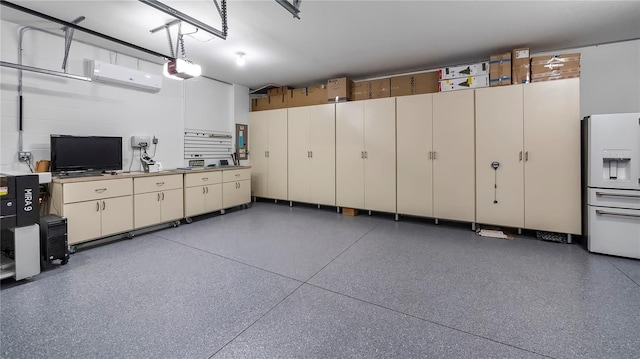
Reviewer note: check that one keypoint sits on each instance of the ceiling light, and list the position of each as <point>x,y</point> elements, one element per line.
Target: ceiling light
<point>179,69</point>
<point>240,58</point>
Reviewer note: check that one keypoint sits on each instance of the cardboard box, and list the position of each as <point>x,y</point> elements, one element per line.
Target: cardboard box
<point>317,94</point>
<point>360,91</point>
<point>454,72</point>
<point>556,67</point>
<point>338,90</point>
<point>380,88</point>
<point>520,68</point>
<point>426,82</point>
<point>269,103</point>
<point>282,90</point>
<point>349,211</point>
<point>464,83</point>
<point>500,70</point>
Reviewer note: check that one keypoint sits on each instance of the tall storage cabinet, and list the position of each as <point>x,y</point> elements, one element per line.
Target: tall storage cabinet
<point>268,151</point>
<point>552,156</point>
<point>365,154</point>
<point>533,132</point>
<point>312,154</point>
<point>499,138</point>
<point>414,121</point>
<point>454,155</point>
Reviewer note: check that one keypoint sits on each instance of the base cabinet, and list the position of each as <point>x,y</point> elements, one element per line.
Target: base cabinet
<point>157,199</point>
<point>236,187</point>
<point>94,209</point>
<point>202,193</point>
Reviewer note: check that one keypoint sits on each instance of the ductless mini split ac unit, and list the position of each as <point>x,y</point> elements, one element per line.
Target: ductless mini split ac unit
<point>123,76</point>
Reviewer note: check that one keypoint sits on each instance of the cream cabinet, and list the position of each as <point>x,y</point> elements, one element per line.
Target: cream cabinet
<point>202,192</point>
<point>533,132</point>
<point>236,187</point>
<point>311,154</point>
<point>268,153</point>
<point>365,154</point>
<point>157,199</point>
<point>414,122</point>
<point>500,143</point>
<point>94,209</point>
<point>454,155</point>
<point>552,156</point>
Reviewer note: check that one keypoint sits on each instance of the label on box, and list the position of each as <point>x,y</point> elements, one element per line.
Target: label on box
<point>522,54</point>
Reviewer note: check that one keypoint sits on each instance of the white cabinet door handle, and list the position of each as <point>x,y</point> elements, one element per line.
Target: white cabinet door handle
<point>203,191</point>
<point>605,213</point>
<point>520,155</point>
<point>100,190</point>
<point>205,178</point>
<point>526,156</point>
<point>97,206</point>
<point>103,205</point>
<point>605,194</point>
<point>158,196</point>
<point>159,183</point>
<point>163,196</point>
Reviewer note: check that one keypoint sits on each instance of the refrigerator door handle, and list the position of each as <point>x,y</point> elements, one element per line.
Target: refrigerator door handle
<point>605,213</point>
<point>605,194</point>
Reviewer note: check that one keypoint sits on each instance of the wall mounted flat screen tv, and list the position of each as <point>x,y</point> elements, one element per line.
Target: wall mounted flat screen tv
<point>85,153</point>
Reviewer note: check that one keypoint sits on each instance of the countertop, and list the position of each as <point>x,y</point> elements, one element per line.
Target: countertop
<point>118,175</point>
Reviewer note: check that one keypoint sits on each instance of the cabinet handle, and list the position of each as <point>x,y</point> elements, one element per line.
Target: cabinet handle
<point>430,156</point>
<point>311,154</point>
<point>520,155</point>
<point>237,175</point>
<point>158,196</point>
<point>100,190</point>
<point>206,188</point>
<point>366,154</point>
<point>205,178</point>
<point>526,156</point>
<point>160,183</point>
<point>103,205</point>
<point>97,206</point>
<point>604,194</point>
<point>361,154</point>
<point>203,192</point>
<point>163,196</point>
<point>239,185</point>
<point>435,155</point>
<point>605,213</point>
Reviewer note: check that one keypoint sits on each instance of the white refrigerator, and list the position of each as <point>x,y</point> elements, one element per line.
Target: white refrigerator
<point>612,171</point>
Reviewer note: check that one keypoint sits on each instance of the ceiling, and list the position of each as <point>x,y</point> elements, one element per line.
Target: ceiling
<point>359,39</point>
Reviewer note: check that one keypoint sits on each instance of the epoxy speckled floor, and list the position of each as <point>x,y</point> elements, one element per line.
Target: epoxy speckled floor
<point>279,282</point>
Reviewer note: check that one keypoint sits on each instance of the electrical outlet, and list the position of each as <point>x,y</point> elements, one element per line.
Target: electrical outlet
<point>24,156</point>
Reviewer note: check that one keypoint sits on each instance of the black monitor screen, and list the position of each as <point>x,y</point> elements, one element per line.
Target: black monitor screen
<point>85,153</point>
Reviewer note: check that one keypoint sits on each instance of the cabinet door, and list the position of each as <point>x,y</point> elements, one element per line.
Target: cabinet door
<point>194,201</point>
<point>552,149</point>
<point>117,215</point>
<point>499,127</point>
<point>236,193</point>
<point>322,127</point>
<point>414,119</point>
<point>213,197</point>
<point>380,154</point>
<point>349,154</point>
<point>277,159</point>
<point>171,204</point>
<point>83,221</point>
<point>258,152</point>
<point>299,154</point>
<point>454,150</point>
<point>146,209</point>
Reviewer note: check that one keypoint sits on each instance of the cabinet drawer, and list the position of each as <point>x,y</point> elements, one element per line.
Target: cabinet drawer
<point>619,198</point>
<point>156,183</point>
<point>91,190</point>
<point>201,179</point>
<point>236,175</point>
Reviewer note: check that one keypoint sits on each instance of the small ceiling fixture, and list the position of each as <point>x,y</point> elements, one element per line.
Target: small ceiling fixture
<point>240,58</point>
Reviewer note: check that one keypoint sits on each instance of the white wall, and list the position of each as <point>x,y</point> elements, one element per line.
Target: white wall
<point>609,77</point>
<point>55,105</point>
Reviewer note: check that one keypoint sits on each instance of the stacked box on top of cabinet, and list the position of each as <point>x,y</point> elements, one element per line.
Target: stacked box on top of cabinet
<point>520,66</point>
<point>555,67</point>
<point>500,70</point>
<point>464,77</point>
